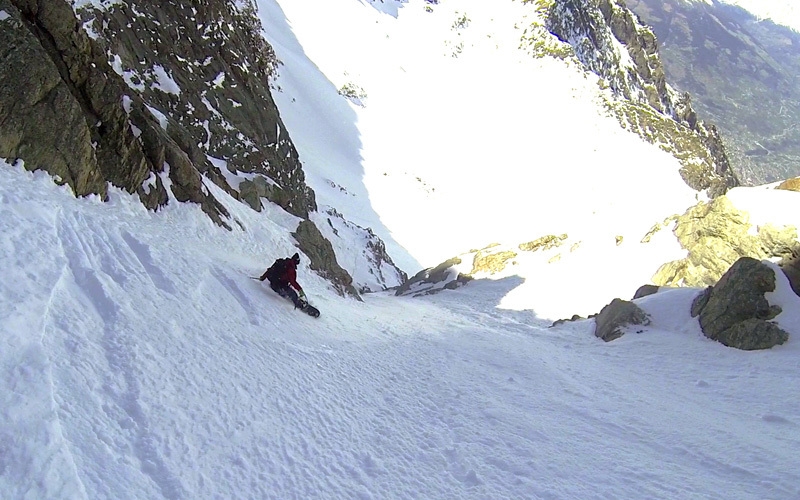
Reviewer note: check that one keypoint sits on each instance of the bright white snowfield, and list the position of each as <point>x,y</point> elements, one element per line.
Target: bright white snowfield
<point>138,360</point>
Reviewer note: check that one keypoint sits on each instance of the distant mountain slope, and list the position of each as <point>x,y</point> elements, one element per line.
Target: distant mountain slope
<point>607,38</point>
<point>744,74</point>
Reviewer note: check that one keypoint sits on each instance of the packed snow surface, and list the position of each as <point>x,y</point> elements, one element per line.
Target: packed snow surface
<point>139,360</point>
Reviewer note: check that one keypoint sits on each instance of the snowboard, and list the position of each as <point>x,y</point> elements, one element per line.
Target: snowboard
<point>308,308</point>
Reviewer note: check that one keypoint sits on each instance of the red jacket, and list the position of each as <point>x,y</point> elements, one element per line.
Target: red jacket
<point>289,275</point>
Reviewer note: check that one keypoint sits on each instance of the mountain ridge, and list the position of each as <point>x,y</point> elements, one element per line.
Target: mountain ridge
<point>742,73</point>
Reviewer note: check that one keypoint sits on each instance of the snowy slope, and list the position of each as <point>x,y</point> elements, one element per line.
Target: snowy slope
<point>138,360</point>
<point>463,139</point>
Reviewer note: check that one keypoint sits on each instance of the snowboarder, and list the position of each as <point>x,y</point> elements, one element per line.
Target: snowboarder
<point>282,276</point>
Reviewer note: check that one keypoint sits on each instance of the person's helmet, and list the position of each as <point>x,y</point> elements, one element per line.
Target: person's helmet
<point>296,258</point>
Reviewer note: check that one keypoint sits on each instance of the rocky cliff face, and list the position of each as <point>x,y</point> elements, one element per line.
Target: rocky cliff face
<point>206,66</point>
<point>743,74</point>
<point>715,236</point>
<point>157,98</point>
<point>609,41</point>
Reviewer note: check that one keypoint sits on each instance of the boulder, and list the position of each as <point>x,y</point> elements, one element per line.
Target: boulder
<point>791,268</point>
<point>610,322</point>
<point>753,334</point>
<point>716,235</point>
<point>645,290</point>
<point>790,184</point>
<point>736,312</point>
<point>491,262</point>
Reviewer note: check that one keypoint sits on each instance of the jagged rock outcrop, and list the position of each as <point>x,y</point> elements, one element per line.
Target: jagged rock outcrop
<point>112,137</point>
<point>736,312</point>
<point>160,99</point>
<point>31,101</point>
<point>432,280</point>
<point>547,242</point>
<point>644,291</point>
<point>610,323</point>
<point>575,317</point>
<point>790,184</point>
<point>716,235</point>
<point>206,67</point>
<point>137,92</point>
<point>491,261</point>
<point>372,267</point>
<point>608,40</point>
<point>323,258</point>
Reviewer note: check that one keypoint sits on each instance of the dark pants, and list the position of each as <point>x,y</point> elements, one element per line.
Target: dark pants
<point>286,291</point>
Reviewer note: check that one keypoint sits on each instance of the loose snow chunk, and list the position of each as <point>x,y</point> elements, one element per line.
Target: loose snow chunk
<point>126,104</point>
<point>162,118</point>
<point>102,5</point>
<point>164,81</point>
<point>218,162</point>
<point>116,65</point>
<point>128,77</point>
<point>90,32</point>
<point>784,297</point>
<point>4,15</point>
<point>149,183</point>
<point>218,81</point>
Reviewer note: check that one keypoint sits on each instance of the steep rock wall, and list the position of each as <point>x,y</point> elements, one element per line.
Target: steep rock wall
<point>607,38</point>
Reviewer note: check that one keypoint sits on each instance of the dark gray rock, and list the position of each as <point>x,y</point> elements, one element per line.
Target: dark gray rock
<point>753,334</point>
<point>735,311</point>
<point>644,291</point>
<point>791,268</point>
<point>610,322</point>
<point>42,122</point>
<point>575,317</point>
<point>216,55</point>
<point>323,258</point>
<point>435,279</point>
<point>700,301</point>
